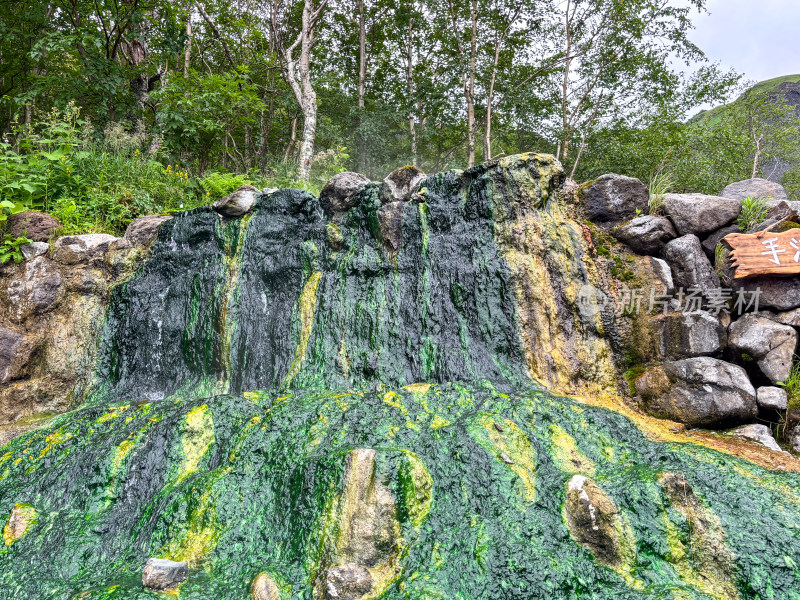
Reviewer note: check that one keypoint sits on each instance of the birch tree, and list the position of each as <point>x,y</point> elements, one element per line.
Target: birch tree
<point>298,75</point>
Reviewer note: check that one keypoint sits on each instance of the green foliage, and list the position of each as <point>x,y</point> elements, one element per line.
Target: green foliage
<point>792,386</point>
<point>721,259</point>
<point>218,185</point>
<point>10,248</point>
<point>754,211</point>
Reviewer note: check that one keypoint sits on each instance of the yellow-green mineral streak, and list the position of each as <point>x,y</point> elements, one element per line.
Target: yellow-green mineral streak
<point>307,306</point>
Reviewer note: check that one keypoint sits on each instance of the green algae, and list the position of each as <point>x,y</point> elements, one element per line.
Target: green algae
<point>256,499</point>
<point>422,356</point>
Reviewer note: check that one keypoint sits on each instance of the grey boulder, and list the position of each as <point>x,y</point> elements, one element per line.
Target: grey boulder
<point>613,199</point>
<point>238,203</point>
<point>789,317</point>
<point>162,574</point>
<point>74,249</point>
<point>34,249</point>
<point>690,266</point>
<point>772,398</point>
<point>700,214</point>
<point>142,231</point>
<point>401,184</point>
<point>663,273</point>
<point>710,243</point>
<point>701,392</point>
<point>770,344</point>
<point>646,235</point>
<point>757,433</point>
<point>779,293</point>
<point>683,335</point>
<point>794,439</point>
<point>15,353</point>
<point>762,189</point>
<point>340,193</point>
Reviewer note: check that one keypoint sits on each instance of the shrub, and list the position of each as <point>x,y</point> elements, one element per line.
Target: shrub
<point>754,211</point>
<point>219,185</point>
<point>10,249</point>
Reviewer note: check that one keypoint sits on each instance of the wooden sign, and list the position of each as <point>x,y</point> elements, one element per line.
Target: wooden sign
<point>765,253</point>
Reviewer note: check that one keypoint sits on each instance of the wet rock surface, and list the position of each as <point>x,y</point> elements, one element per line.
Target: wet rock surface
<point>614,199</point>
<point>340,193</point>
<point>690,266</point>
<point>161,574</point>
<point>703,392</point>
<point>699,214</point>
<point>264,588</point>
<point>770,344</point>
<point>594,521</point>
<point>237,203</point>
<point>348,582</point>
<point>646,235</point>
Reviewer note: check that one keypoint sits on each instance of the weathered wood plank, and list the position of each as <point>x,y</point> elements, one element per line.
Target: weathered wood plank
<point>764,253</point>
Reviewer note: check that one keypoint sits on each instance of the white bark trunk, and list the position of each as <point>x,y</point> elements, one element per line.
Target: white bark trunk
<point>298,74</point>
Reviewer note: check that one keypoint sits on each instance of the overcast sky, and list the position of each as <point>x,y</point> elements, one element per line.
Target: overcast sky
<point>757,38</point>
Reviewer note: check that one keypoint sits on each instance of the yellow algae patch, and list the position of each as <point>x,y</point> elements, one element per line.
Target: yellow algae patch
<point>23,517</point>
<point>418,388</point>
<point>308,306</point>
<point>123,450</point>
<point>512,447</point>
<point>567,456</point>
<point>198,435</point>
<point>200,538</point>
<point>5,457</point>
<point>53,440</point>
<point>663,430</point>
<point>253,395</point>
<point>395,400</point>
<point>438,422</point>
<point>113,413</point>
<point>417,485</point>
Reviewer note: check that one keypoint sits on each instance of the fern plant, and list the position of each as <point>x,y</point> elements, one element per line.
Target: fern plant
<point>754,211</point>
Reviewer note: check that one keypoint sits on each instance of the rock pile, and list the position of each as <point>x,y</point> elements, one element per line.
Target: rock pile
<point>722,358</point>
<point>52,307</point>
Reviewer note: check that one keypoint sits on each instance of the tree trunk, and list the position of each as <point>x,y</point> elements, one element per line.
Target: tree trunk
<point>470,88</point>
<point>290,145</point>
<point>487,141</point>
<point>362,85</point>
<point>412,120</point>
<point>188,55</point>
<point>298,74</point>
<point>563,149</point>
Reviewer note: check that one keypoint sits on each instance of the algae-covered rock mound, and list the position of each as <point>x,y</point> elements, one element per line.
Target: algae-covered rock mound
<point>426,492</point>
<point>352,405</point>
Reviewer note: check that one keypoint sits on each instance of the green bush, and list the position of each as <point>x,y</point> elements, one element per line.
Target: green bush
<point>10,248</point>
<point>754,211</point>
<point>219,185</point>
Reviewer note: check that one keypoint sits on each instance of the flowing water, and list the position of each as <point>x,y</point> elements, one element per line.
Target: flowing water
<point>245,360</point>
